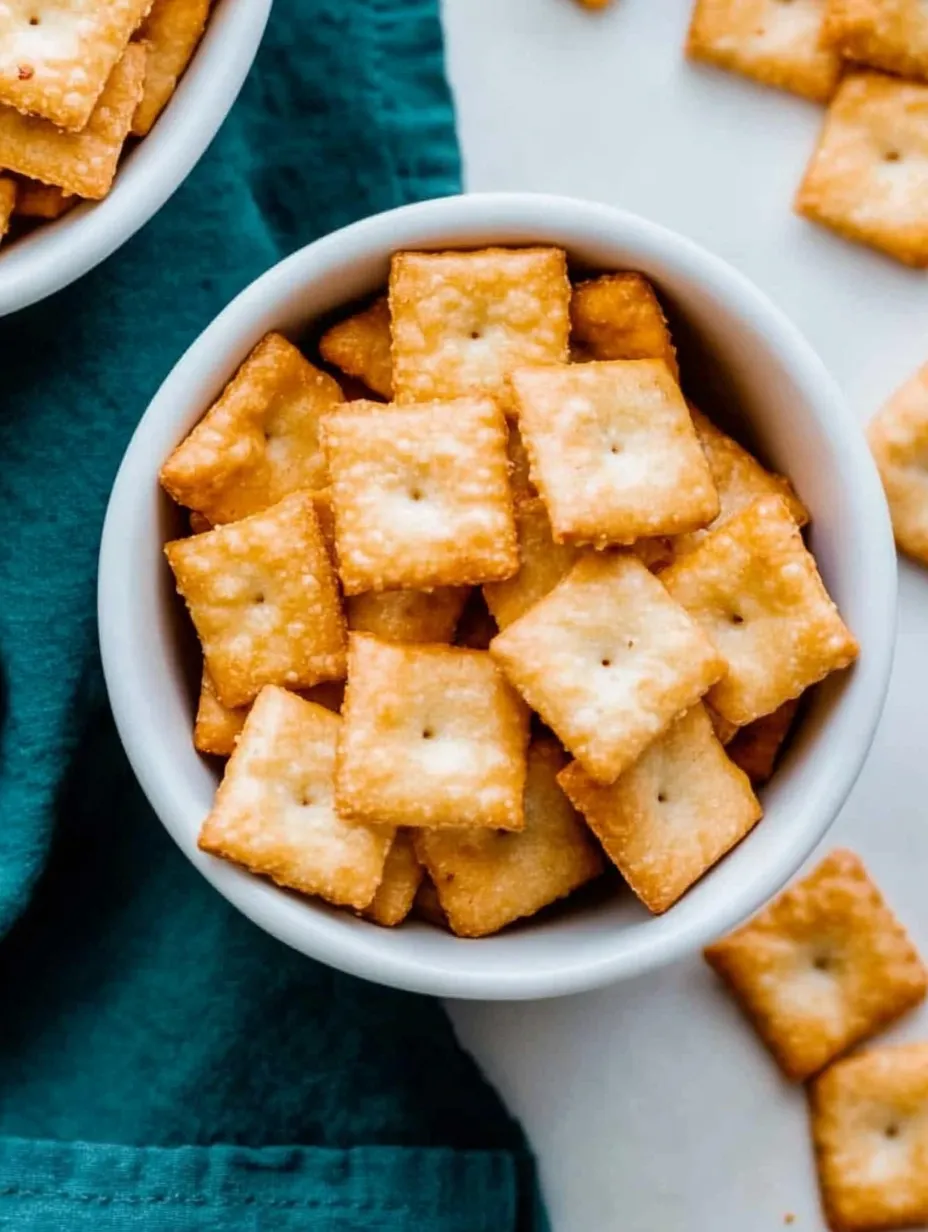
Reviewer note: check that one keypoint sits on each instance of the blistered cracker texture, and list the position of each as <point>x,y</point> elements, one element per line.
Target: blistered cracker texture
<point>462,321</point>
<point>259,441</point>
<point>898,437</point>
<point>35,200</point>
<point>519,478</point>
<point>870,1129</point>
<point>171,31</point>
<point>739,479</point>
<point>779,44</point>
<point>822,968</point>
<point>8,190</point>
<point>274,810</point>
<point>263,597</point>
<point>217,727</point>
<point>421,495</point>
<point>360,346</point>
<point>542,564</point>
<point>487,879</point>
<point>402,876</point>
<point>476,628</point>
<point>608,660</point>
<point>755,590</point>
<point>868,178</point>
<point>887,34</point>
<point>432,736</point>
<point>755,748</point>
<point>83,163</point>
<point>613,451</point>
<point>408,615</point>
<point>618,316</point>
<point>427,906</point>
<point>56,56</point>
<point>671,815</point>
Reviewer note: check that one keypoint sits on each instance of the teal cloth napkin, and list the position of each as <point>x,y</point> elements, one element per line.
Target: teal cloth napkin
<point>163,1063</point>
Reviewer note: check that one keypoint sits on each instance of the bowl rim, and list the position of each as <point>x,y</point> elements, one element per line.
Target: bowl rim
<point>61,251</point>
<point>874,554</point>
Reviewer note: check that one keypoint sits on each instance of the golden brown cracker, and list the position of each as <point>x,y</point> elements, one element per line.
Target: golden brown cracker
<point>756,747</point>
<point>898,437</point>
<point>402,876</point>
<point>360,346</point>
<point>542,564</point>
<point>407,615</point>
<point>35,200</point>
<point>618,316</point>
<point>217,727</point>
<point>8,191</point>
<point>171,31</point>
<point>886,34</point>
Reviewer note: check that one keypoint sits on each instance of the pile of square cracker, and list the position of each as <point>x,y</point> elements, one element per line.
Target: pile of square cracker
<point>76,80</point>
<point>867,59</point>
<point>485,545</point>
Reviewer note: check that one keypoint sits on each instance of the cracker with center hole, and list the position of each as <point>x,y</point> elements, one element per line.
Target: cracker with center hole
<point>421,495</point>
<point>822,968</point>
<point>402,876</point>
<point>259,441</point>
<point>671,815</point>
<point>8,191</point>
<point>898,437</point>
<point>476,628</point>
<point>462,321</point>
<point>755,748</point>
<point>869,1118</point>
<point>56,56</point>
<point>407,615</point>
<point>274,810</point>
<point>778,44</point>
<point>83,163</point>
<point>217,727</point>
<point>739,479</point>
<point>432,736</point>
<point>35,200</point>
<point>868,178</point>
<point>263,597</point>
<point>171,31</point>
<point>542,564</point>
<point>613,451</point>
<point>487,879</point>
<point>886,34</point>
<point>360,346</point>
<point>754,588</point>
<point>618,316</point>
<point>608,660</point>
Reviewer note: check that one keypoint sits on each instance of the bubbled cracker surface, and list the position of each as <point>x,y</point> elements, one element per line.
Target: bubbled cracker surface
<point>171,31</point>
<point>56,55</point>
<point>755,590</point>
<point>618,316</point>
<point>898,437</point>
<point>613,451</point>
<point>421,495</point>
<point>671,815</point>
<point>259,441</point>
<point>432,736</point>
<point>608,660</point>
<point>886,34</point>
<point>487,879</point>
<point>274,811</point>
<point>408,615</point>
<point>361,347</point>
<point>84,162</point>
<point>402,876</point>
<point>262,596</point>
<point>462,321</point>
<point>822,968</point>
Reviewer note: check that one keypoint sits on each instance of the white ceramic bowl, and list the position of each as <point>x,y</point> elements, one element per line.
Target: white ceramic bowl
<point>748,355</point>
<point>56,253</point>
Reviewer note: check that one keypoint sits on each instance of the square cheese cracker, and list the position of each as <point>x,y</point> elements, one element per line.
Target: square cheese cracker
<point>56,55</point>
<point>421,494</point>
<point>171,32</point>
<point>263,597</point>
<point>361,347</point>
<point>486,879</point>
<point>868,178</point>
<point>822,968</point>
<point>887,34</point>
<point>462,321</point>
<point>608,660</point>
<point>259,441</point>
<point>777,42</point>
<point>671,815</point>
<point>35,200</point>
<point>432,736</point>
<point>898,437</point>
<point>542,564</point>
<point>84,162</point>
<point>754,588</point>
<point>870,1128</point>
<point>408,615</point>
<point>274,810</point>
<point>402,876</point>
<point>618,316</point>
<point>613,451</point>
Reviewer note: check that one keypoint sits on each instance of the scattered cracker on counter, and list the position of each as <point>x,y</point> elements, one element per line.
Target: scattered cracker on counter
<point>898,437</point>
<point>885,34</point>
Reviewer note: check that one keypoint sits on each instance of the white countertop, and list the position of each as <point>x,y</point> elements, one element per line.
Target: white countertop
<point>651,1106</point>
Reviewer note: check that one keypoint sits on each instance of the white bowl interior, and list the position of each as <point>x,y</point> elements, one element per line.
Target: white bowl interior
<point>752,368</point>
<point>55,253</point>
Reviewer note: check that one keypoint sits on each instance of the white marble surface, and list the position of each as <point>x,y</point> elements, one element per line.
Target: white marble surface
<point>650,1106</point>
